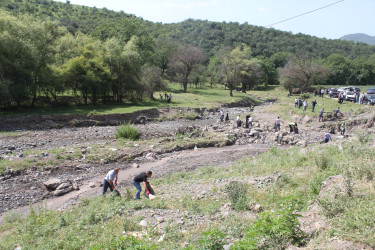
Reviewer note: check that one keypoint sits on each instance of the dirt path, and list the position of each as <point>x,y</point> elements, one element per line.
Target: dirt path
<point>188,160</point>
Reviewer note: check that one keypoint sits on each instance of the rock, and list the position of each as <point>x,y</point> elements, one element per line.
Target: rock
<point>103,161</point>
<point>75,186</point>
<point>52,184</point>
<point>62,191</point>
<point>20,155</point>
<point>302,143</point>
<point>135,165</point>
<point>92,185</point>
<point>255,207</point>
<point>332,186</point>
<point>143,223</point>
<point>181,222</point>
<point>64,186</point>
<point>11,148</point>
<point>84,151</point>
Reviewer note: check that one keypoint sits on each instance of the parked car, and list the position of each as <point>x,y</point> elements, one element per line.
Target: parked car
<point>371,91</point>
<point>349,96</point>
<point>369,100</point>
<point>334,92</point>
<point>356,89</point>
<point>341,89</point>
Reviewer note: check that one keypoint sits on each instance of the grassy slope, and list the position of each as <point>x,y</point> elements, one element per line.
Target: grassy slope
<point>195,98</point>
<point>99,223</point>
<point>285,105</point>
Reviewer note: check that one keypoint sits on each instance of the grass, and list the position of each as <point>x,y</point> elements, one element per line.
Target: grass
<point>285,105</point>
<point>99,222</point>
<point>194,98</point>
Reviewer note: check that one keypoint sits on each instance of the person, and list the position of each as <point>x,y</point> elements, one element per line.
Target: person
<point>238,121</point>
<point>342,128</point>
<point>313,105</point>
<point>300,101</point>
<point>322,92</point>
<point>161,98</point>
<point>222,115</point>
<point>292,127</point>
<point>277,124</point>
<point>296,102</point>
<point>227,117</point>
<point>169,98</point>
<point>321,115</point>
<point>315,92</point>
<point>142,177</point>
<point>327,137</point>
<point>247,121</point>
<point>304,105</point>
<point>110,180</point>
<point>362,98</point>
<point>335,113</point>
<point>251,121</point>
<point>165,95</point>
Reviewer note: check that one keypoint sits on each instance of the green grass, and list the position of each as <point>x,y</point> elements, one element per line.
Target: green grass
<point>195,98</point>
<point>284,106</point>
<point>99,222</point>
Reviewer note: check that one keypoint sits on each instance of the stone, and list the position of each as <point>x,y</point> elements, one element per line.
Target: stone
<point>64,186</point>
<point>11,148</point>
<point>302,143</point>
<point>75,186</point>
<point>52,184</point>
<point>92,185</point>
<point>255,207</point>
<point>143,223</point>
<point>135,165</point>
<point>61,192</point>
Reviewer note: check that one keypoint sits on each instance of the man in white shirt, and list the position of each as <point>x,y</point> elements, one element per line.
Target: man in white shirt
<point>110,180</point>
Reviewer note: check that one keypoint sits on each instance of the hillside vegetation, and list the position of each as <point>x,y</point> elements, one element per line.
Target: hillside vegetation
<point>56,54</point>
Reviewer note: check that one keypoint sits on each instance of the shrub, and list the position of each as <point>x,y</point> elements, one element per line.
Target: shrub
<point>273,230</point>
<point>237,193</point>
<point>127,131</point>
<point>305,96</point>
<point>213,239</point>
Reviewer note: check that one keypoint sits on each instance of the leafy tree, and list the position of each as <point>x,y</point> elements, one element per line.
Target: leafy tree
<point>340,69</point>
<point>184,60</point>
<point>151,80</point>
<point>237,66</point>
<point>302,73</point>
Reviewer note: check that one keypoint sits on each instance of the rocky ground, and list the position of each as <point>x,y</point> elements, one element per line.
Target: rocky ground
<point>19,188</point>
<point>63,167</point>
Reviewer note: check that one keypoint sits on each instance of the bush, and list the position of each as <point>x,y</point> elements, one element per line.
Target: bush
<point>127,131</point>
<point>237,194</point>
<point>305,96</point>
<point>213,239</point>
<point>273,230</point>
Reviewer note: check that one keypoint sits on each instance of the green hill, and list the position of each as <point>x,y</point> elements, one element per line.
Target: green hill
<point>103,23</point>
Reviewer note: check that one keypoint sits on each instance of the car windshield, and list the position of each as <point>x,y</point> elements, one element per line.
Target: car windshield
<point>371,97</point>
<point>349,93</point>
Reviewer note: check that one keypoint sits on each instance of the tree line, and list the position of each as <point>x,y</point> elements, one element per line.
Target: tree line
<point>123,60</point>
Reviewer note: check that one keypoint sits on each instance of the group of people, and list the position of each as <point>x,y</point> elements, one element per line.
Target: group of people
<point>167,97</point>
<point>110,181</point>
<point>299,102</point>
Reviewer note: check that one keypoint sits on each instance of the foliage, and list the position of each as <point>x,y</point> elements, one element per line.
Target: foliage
<point>212,239</point>
<point>127,131</point>
<point>237,194</point>
<point>276,229</point>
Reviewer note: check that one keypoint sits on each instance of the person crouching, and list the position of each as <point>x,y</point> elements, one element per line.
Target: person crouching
<point>142,177</point>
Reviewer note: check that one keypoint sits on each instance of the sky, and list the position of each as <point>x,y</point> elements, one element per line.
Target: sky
<point>343,18</point>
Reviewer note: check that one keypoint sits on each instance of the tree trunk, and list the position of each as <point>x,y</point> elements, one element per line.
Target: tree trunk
<point>230,90</point>
<point>185,84</point>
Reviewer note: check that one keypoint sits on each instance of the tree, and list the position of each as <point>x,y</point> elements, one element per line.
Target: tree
<point>339,67</point>
<point>184,60</point>
<point>236,66</point>
<point>302,73</point>
<point>151,80</point>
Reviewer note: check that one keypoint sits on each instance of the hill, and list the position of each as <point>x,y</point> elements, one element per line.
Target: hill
<point>103,23</point>
<point>359,38</point>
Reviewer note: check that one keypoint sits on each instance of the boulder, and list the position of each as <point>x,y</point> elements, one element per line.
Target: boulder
<point>302,143</point>
<point>64,186</point>
<point>135,165</point>
<point>52,184</point>
<point>62,191</point>
<point>255,207</point>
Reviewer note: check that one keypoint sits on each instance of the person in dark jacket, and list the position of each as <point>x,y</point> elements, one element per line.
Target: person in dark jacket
<point>142,177</point>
